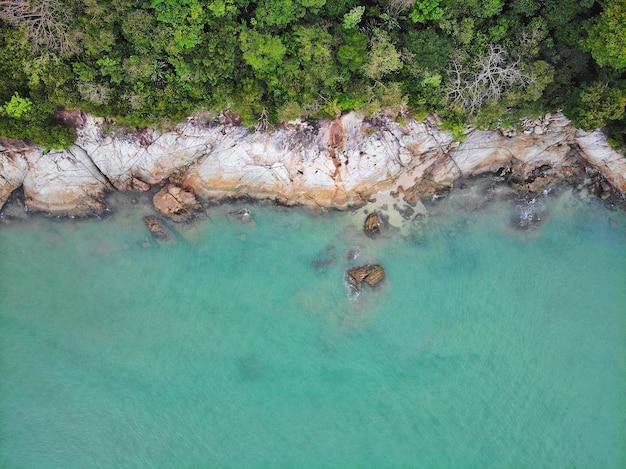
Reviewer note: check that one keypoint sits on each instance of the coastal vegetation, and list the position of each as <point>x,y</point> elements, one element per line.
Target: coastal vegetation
<point>485,63</point>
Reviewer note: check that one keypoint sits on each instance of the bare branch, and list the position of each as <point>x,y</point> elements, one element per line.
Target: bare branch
<point>262,121</point>
<point>489,77</point>
<point>45,23</point>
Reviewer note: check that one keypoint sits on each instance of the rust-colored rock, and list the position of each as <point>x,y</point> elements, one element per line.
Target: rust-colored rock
<point>137,184</point>
<point>374,225</point>
<point>176,203</point>
<point>371,274</point>
<point>374,275</point>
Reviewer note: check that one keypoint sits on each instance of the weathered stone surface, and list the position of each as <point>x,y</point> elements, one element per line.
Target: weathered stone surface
<point>176,203</point>
<point>374,225</point>
<point>337,168</point>
<point>340,163</point>
<point>147,155</point>
<point>14,165</point>
<point>598,153</point>
<point>137,184</point>
<point>65,182</point>
<point>158,229</point>
<point>371,274</point>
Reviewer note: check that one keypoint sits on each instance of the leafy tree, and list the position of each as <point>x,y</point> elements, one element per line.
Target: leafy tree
<point>383,57</point>
<point>263,52</point>
<point>597,104</point>
<point>353,17</point>
<point>281,13</point>
<point>289,111</point>
<point>607,36</point>
<point>352,54</point>
<point>426,10</point>
<point>431,50</point>
<point>150,62</point>
<point>17,106</point>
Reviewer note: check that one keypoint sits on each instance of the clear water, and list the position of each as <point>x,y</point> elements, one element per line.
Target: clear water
<point>484,346</point>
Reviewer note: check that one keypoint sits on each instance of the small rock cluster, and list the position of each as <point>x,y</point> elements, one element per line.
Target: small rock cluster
<point>371,274</point>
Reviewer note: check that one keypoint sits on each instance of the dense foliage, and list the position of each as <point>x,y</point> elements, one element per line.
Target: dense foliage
<point>149,62</point>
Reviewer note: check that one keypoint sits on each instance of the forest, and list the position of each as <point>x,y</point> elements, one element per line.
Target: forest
<point>151,63</point>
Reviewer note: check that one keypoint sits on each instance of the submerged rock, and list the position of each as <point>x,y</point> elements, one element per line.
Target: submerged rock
<point>325,259</point>
<point>371,274</point>
<point>243,215</point>
<point>353,253</point>
<point>158,229</point>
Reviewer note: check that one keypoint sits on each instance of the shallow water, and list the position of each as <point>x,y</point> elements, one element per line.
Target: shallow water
<point>241,346</point>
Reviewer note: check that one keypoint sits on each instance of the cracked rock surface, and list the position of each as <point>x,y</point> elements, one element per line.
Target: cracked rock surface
<point>336,163</point>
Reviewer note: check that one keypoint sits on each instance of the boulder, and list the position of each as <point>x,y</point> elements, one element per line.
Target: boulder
<point>176,203</point>
<point>374,225</point>
<point>371,274</point>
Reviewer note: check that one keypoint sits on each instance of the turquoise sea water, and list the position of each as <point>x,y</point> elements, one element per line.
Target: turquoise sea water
<point>484,346</point>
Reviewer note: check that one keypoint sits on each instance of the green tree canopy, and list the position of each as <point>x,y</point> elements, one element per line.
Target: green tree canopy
<point>607,36</point>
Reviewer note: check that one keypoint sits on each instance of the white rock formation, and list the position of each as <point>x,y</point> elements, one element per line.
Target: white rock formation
<point>65,182</point>
<point>341,163</point>
<point>599,154</point>
<point>14,165</point>
<point>148,156</point>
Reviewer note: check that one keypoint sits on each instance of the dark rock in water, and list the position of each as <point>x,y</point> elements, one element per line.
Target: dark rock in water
<point>406,212</point>
<point>326,259</point>
<point>242,215</point>
<point>371,274</point>
<point>374,225</point>
<point>159,231</point>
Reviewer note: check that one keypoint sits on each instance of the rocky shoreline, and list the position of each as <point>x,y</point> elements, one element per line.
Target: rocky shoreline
<point>342,163</point>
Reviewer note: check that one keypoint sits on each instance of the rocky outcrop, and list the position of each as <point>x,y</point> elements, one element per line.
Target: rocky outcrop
<point>371,274</point>
<point>146,156</point>
<point>65,182</point>
<point>14,166</point>
<point>596,152</point>
<point>176,203</point>
<point>374,225</point>
<point>339,163</point>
